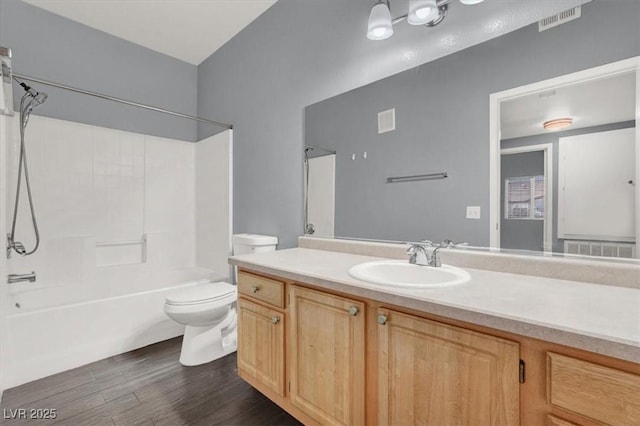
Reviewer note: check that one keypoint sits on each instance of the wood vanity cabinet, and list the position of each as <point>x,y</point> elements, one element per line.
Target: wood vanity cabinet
<point>261,345</point>
<point>261,332</point>
<point>431,373</point>
<point>327,351</point>
<point>330,359</point>
<point>602,394</point>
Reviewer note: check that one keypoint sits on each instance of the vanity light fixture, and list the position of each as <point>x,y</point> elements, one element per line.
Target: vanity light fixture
<point>421,12</point>
<point>380,26</point>
<point>558,123</point>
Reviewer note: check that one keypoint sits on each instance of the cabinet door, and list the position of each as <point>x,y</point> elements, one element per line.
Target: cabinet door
<point>435,374</point>
<point>327,351</point>
<point>261,345</point>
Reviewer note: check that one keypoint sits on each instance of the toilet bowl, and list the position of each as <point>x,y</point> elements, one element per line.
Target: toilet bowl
<point>206,311</point>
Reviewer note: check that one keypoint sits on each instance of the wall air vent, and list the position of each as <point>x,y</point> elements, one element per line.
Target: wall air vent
<point>600,248</point>
<point>387,121</point>
<point>559,19</point>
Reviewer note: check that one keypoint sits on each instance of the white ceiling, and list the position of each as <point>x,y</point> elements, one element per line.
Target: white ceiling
<point>190,30</point>
<point>603,101</point>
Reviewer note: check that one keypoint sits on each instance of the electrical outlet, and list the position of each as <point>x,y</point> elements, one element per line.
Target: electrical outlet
<point>473,212</point>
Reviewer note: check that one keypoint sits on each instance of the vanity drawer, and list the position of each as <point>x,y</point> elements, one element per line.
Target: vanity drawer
<point>261,288</point>
<point>601,393</point>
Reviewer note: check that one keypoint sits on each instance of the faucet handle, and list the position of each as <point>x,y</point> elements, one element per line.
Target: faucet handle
<point>19,248</point>
<point>427,243</point>
<point>452,244</point>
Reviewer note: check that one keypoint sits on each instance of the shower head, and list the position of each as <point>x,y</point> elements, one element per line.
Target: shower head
<point>36,98</point>
<point>39,98</point>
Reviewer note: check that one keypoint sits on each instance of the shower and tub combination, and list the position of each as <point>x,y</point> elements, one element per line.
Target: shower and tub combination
<point>112,222</point>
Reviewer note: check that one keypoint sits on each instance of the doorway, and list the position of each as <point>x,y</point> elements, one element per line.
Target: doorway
<point>526,198</point>
<point>598,101</point>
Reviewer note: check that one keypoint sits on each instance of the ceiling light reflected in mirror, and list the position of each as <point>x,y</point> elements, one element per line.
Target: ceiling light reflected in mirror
<point>558,124</point>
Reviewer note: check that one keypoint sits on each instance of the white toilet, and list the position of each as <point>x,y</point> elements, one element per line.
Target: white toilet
<point>205,309</point>
<point>209,319</point>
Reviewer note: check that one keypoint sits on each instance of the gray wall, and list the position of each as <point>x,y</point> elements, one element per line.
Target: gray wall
<point>264,77</point>
<point>553,138</point>
<point>53,48</point>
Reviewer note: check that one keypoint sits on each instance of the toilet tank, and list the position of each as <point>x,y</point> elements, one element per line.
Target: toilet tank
<point>253,243</point>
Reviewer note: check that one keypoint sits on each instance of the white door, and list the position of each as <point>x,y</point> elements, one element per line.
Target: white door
<point>597,186</point>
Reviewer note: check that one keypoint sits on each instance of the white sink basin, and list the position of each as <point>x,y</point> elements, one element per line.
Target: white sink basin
<point>400,273</point>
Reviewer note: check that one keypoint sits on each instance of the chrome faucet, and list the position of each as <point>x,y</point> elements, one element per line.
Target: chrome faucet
<point>434,260</point>
<point>17,278</point>
<point>418,254</point>
<point>14,245</point>
<point>427,253</point>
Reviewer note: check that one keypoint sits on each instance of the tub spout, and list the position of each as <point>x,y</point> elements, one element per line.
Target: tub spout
<point>17,278</point>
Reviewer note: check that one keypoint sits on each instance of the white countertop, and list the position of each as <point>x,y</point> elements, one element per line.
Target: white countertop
<point>598,318</point>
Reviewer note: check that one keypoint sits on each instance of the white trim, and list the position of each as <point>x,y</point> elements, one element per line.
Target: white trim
<point>495,99</point>
<point>230,231</point>
<point>547,149</point>
<point>4,136</point>
<point>637,252</point>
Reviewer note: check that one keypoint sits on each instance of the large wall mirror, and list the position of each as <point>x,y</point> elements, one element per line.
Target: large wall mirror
<point>526,142</point>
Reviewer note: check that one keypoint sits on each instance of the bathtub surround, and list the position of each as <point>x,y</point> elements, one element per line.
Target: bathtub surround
<point>95,188</point>
<point>214,201</point>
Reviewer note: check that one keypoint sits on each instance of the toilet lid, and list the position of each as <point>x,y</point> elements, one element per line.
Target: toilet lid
<point>201,293</point>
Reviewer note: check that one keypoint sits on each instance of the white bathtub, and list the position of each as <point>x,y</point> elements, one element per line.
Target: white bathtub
<point>46,341</point>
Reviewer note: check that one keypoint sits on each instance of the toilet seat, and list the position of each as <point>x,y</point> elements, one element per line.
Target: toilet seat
<point>201,293</point>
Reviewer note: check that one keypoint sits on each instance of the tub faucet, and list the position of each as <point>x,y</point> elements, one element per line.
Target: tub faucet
<point>17,278</point>
<point>14,245</point>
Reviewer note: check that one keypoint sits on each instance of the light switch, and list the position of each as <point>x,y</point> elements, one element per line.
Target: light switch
<point>473,212</point>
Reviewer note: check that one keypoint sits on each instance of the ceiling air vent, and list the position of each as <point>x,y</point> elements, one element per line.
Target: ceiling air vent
<point>387,121</point>
<point>559,19</point>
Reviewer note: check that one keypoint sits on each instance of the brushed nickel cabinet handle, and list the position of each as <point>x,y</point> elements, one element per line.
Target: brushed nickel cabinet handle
<point>353,310</point>
<point>275,320</point>
<point>255,289</point>
<point>382,319</point>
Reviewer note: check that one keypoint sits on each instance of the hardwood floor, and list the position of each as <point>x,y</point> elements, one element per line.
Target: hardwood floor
<point>145,387</point>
